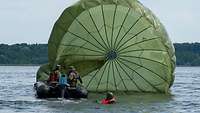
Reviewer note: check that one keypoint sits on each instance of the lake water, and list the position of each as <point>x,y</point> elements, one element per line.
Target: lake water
<point>17,96</point>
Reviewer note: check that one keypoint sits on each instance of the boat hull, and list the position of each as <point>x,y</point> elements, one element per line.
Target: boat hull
<point>45,91</point>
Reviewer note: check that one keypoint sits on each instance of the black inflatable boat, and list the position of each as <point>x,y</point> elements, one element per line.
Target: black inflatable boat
<point>45,91</point>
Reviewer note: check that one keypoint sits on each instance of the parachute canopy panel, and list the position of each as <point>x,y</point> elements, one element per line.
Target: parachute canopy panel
<point>118,45</point>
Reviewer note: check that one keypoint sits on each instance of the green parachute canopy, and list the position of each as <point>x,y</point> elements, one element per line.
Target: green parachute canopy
<point>116,45</point>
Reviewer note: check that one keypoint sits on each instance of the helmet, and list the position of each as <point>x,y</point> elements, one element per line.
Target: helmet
<point>109,95</point>
<point>57,67</point>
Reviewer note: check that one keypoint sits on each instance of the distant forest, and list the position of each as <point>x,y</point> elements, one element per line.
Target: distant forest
<point>188,54</point>
<point>23,54</point>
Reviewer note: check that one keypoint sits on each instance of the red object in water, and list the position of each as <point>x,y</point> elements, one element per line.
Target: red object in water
<point>107,101</point>
<point>104,101</point>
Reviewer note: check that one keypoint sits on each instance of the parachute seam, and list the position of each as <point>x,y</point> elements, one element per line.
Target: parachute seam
<point>92,78</point>
<point>79,55</point>
<point>145,59</point>
<point>88,31</point>
<point>120,76</point>
<point>114,77</point>
<point>105,25</point>
<point>138,43</point>
<point>135,35</point>
<point>85,40</point>
<point>130,77</point>
<point>145,68</point>
<point>113,26</point>
<point>141,77</point>
<point>101,76</point>
<point>121,26</point>
<point>78,49</point>
<point>84,48</point>
<point>108,77</point>
<point>142,50</point>
<point>106,48</point>
<point>128,31</point>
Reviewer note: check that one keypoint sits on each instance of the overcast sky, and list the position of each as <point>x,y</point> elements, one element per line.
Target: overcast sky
<point>31,21</point>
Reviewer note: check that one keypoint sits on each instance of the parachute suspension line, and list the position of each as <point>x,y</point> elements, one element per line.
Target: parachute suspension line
<point>69,49</point>
<point>135,36</point>
<point>141,76</point>
<point>129,76</point>
<point>85,48</point>
<point>121,27</point>
<point>138,43</point>
<point>104,21</point>
<point>113,71</point>
<point>107,82</point>
<point>127,32</point>
<point>143,59</point>
<point>155,50</point>
<point>105,46</point>
<point>102,75</point>
<point>78,48</point>
<point>87,31</point>
<point>92,78</point>
<point>115,63</point>
<point>80,55</point>
<point>146,69</point>
<point>86,41</point>
<point>113,25</point>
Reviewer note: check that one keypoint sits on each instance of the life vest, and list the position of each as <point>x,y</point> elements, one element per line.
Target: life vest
<point>62,80</point>
<point>105,101</point>
<point>72,77</point>
<point>53,77</point>
<point>108,101</point>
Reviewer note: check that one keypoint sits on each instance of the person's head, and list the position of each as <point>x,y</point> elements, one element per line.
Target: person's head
<point>109,95</point>
<point>57,67</point>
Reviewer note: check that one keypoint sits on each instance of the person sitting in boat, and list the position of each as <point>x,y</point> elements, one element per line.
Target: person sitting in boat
<point>63,85</point>
<point>73,77</point>
<point>110,99</point>
<point>54,76</point>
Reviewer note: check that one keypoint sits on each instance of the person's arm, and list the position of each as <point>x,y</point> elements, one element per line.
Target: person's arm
<point>113,100</point>
<point>79,78</point>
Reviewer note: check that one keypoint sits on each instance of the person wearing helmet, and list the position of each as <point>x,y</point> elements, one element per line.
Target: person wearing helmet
<point>110,99</point>
<point>73,77</point>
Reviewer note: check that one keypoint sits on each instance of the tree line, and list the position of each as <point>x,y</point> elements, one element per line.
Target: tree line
<point>23,54</point>
<point>187,54</point>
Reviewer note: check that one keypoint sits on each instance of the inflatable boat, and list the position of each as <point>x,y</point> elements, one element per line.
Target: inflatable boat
<point>54,91</point>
